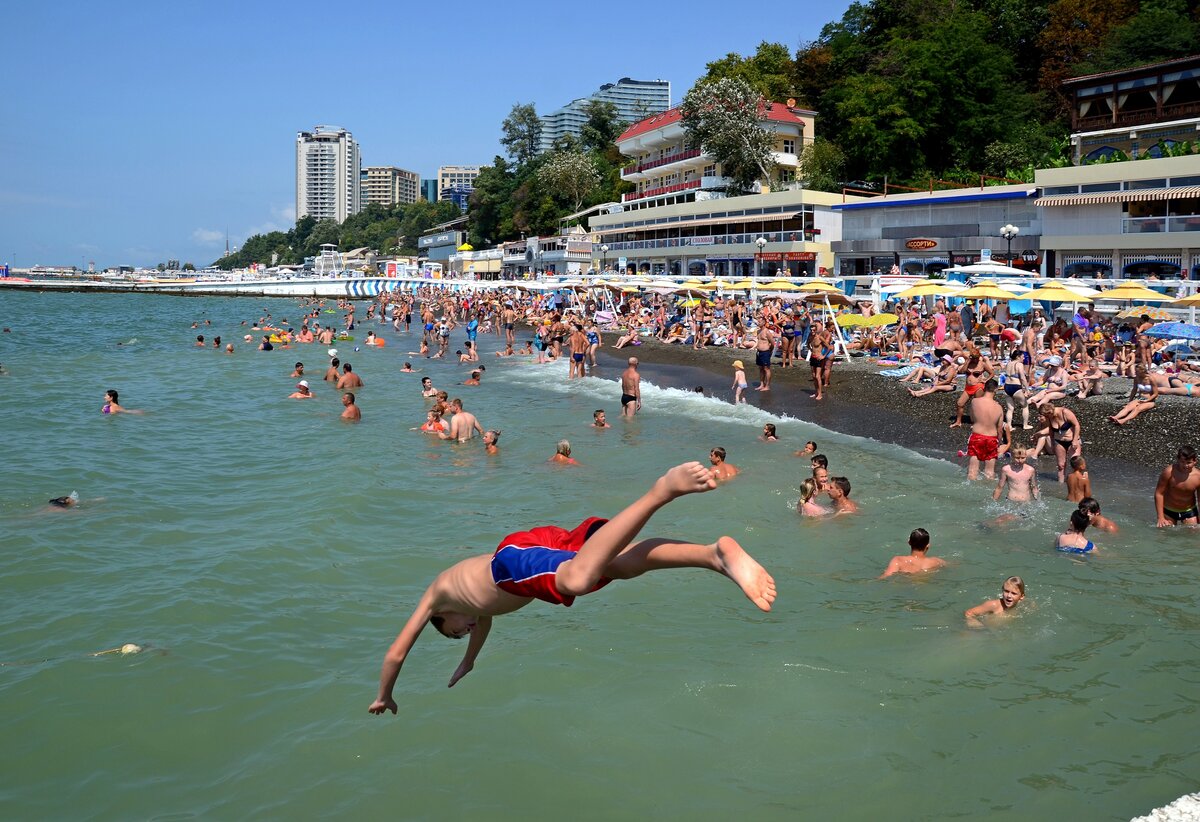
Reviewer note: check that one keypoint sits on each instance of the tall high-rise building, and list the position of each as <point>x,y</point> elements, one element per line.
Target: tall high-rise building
<point>459,177</point>
<point>429,191</point>
<point>328,172</point>
<point>388,185</point>
<point>634,100</point>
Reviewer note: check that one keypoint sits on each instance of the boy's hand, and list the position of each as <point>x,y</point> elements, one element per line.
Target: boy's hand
<point>381,705</point>
<point>459,672</point>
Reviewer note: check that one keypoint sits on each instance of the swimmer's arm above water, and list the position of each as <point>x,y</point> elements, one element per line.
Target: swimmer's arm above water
<point>992,606</point>
<point>478,636</point>
<point>394,659</point>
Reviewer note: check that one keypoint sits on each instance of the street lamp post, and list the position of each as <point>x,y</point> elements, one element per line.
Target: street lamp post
<point>603,258</point>
<point>761,242</point>
<point>1008,232</point>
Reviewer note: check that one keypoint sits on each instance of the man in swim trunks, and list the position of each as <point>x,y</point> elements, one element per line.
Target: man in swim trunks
<point>579,346</point>
<point>721,470</point>
<point>987,424</point>
<point>556,566</point>
<point>1175,494</point>
<point>631,389</point>
<point>765,344</point>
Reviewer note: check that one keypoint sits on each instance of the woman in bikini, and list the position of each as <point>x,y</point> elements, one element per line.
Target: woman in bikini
<point>1016,390</point>
<point>978,372</point>
<point>1062,434</point>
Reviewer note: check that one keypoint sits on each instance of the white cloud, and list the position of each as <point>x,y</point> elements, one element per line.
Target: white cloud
<point>206,236</point>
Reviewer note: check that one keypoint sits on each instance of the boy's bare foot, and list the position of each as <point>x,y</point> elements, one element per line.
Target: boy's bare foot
<point>689,478</point>
<point>752,578</point>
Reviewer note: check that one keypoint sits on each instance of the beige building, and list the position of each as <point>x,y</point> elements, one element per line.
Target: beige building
<point>328,174</point>
<point>665,170</point>
<point>1131,219</point>
<point>456,177</point>
<point>388,185</point>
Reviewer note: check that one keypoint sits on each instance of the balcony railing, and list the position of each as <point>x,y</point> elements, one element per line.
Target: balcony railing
<point>1154,225</point>
<point>718,239</point>
<point>687,154</point>
<point>655,192</point>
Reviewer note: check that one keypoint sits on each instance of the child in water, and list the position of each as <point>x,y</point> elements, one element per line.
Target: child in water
<point>807,506</point>
<point>556,566</point>
<point>918,559</point>
<point>1072,541</point>
<point>1011,593</point>
<point>1020,478</point>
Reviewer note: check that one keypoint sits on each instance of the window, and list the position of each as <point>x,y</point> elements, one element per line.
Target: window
<point>1049,191</point>
<point>1095,188</point>
<point>710,170</point>
<point>789,146</point>
<point>1133,185</point>
<point>1185,181</point>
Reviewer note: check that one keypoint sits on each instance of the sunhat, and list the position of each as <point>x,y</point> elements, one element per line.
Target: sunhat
<point>738,364</point>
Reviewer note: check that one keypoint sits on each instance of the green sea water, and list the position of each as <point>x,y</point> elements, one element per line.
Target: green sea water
<point>266,555</point>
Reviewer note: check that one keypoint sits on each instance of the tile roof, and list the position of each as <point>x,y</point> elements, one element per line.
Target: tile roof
<point>775,112</point>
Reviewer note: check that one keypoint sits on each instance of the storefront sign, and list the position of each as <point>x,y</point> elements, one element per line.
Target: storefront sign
<point>579,247</point>
<point>920,244</point>
<point>791,256</point>
<point>700,240</point>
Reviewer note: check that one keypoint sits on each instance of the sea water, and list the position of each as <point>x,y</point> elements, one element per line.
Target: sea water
<point>265,554</point>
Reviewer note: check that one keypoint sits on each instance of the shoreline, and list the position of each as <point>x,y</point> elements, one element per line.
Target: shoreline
<point>862,402</point>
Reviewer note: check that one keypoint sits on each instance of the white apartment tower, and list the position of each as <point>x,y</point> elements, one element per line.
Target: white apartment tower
<point>634,100</point>
<point>328,172</point>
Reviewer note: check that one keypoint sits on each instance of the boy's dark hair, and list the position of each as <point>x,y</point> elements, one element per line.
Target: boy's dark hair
<point>1089,506</point>
<point>719,451</point>
<point>437,622</point>
<point>1080,520</point>
<point>1186,452</point>
<point>335,362</point>
<point>820,461</point>
<point>299,365</point>
<point>842,483</point>
<point>919,539</point>
<point>813,444</point>
<point>991,385</point>
<point>1076,461</point>
<point>597,412</point>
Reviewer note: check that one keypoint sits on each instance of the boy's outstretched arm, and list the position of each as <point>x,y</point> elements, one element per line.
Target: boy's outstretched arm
<point>395,656</point>
<point>478,636</point>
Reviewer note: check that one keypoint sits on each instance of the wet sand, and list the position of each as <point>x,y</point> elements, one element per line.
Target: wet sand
<point>865,403</point>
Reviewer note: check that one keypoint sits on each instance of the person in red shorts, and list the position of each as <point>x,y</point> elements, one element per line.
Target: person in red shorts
<point>987,426</point>
<point>556,566</point>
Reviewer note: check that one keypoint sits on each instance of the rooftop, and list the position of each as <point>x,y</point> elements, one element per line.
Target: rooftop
<point>775,112</point>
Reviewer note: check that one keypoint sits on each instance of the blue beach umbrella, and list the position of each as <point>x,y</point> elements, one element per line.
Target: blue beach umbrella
<point>1174,331</point>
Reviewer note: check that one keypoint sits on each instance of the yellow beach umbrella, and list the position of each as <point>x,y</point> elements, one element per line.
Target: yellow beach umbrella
<point>693,302</point>
<point>880,320</point>
<point>780,285</point>
<point>985,291</point>
<point>692,285</point>
<point>930,289</point>
<point>852,320</point>
<point>819,285</point>
<point>1187,302</point>
<point>744,285</point>
<point>1055,293</point>
<point>1134,292</point>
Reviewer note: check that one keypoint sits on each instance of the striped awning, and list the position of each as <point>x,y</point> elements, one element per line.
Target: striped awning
<point>1137,195</point>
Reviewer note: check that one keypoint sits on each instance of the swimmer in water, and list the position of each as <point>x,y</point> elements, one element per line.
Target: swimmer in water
<point>808,450</point>
<point>839,492</point>
<point>351,412</point>
<point>599,420</point>
<point>721,470</point>
<point>1011,595</point>
<point>69,501</point>
<point>768,434</point>
<point>491,439</point>
<point>807,505</point>
<point>1072,541</point>
<point>111,406</point>
<point>562,455</point>
<point>918,560</point>
<point>556,566</point>
<point>1091,507</point>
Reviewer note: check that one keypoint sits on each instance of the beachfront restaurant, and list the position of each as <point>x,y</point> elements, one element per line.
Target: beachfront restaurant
<point>720,236</point>
<point>1135,219</point>
<point>924,232</point>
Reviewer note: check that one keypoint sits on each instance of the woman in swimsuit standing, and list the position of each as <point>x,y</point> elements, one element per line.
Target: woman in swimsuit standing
<point>1016,390</point>
<point>788,332</point>
<point>1062,433</point>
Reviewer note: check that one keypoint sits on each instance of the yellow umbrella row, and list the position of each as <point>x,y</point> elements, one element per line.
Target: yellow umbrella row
<point>1188,302</point>
<point>1134,292</point>
<point>1055,293</point>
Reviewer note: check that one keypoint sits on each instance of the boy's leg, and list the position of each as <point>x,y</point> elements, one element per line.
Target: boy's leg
<point>725,556</point>
<point>580,574</point>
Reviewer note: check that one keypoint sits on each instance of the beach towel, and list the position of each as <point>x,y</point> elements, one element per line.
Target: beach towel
<point>899,372</point>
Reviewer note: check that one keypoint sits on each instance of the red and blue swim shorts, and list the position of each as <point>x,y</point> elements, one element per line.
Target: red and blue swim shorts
<point>525,562</point>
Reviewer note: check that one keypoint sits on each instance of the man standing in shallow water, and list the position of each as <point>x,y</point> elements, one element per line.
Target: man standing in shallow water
<point>987,422</point>
<point>631,389</point>
<point>1175,494</point>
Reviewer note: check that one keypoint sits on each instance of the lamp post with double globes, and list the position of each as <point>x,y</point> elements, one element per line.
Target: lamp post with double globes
<point>761,243</point>
<point>603,258</point>
<point>1009,232</point>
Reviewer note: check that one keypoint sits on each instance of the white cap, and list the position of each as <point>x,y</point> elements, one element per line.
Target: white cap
<point>1055,360</point>
<point>302,384</point>
<point>333,352</point>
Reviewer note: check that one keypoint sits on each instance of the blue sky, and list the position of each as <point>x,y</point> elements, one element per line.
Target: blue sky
<point>136,132</point>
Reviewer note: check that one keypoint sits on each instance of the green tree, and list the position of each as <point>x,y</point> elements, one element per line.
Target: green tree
<point>491,206</point>
<point>770,71</point>
<point>603,126</point>
<point>522,130</point>
<point>1161,30</point>
<point>189,267</point>
<point>572,174</point>
<point>822,165</point>
<point>722,116</point>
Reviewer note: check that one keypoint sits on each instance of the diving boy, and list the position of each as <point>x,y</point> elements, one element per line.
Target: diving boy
<point>556,565</point>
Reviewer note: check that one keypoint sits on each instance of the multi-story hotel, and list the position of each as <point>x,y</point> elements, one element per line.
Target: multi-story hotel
<point>679,222</point>
<point>328,174</point>
<point>389,186</point>
<point>452,177</point>
<point>634,100</point>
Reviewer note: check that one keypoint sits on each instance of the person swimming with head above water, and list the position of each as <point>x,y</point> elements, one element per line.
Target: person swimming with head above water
<point>1011,595</point>
<point>112,406</point>
<point>556,566</point>
<point>1072,541</point>
<point>69,501</point>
